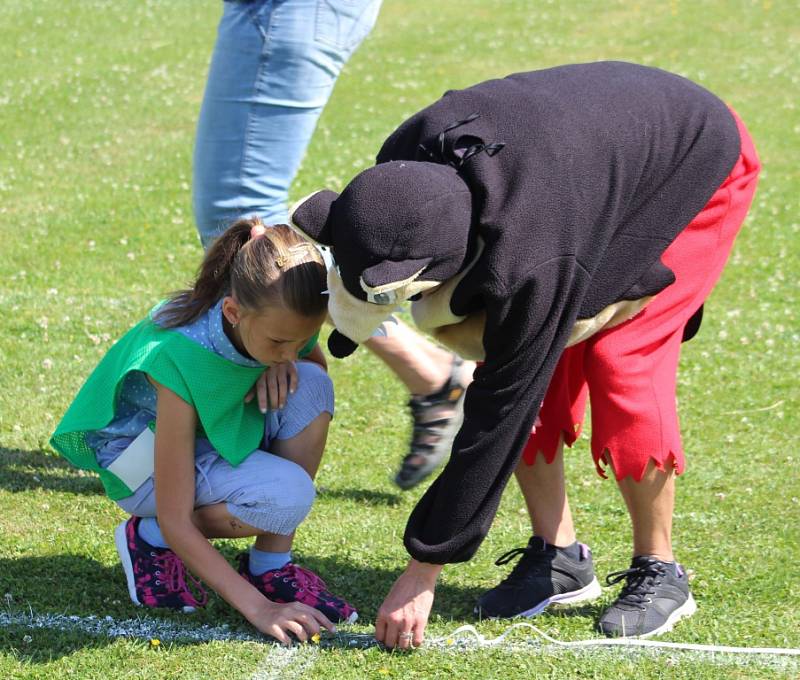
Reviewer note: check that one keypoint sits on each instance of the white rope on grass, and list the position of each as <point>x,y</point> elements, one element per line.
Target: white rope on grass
<point>482,641</point>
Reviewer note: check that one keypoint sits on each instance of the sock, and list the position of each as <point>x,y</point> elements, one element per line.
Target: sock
<point>150,532</point>
<point>261,561</point>
<point>573,550</point>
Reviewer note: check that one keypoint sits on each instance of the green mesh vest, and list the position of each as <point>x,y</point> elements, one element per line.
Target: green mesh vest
<point>215,386</point>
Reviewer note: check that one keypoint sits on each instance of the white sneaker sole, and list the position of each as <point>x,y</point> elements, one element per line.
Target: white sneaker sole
<point>585,594</point>
<point>121,542</point>
<point>683,612</point>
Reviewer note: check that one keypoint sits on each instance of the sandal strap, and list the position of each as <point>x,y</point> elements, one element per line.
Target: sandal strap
<point>433,429</point>
<point>444,393</point>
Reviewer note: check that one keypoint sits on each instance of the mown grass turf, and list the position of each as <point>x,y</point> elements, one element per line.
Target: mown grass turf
<point>98,101</point>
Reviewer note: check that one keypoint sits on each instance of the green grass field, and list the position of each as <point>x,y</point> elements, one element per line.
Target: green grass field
<point>98,102</point>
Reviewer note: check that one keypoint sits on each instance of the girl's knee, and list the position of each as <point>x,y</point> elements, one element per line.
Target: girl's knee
<point>303,492</point>
<point>290,487</point>
<point>313,396</point>
<point>280,500</point>
<point>314,385</point>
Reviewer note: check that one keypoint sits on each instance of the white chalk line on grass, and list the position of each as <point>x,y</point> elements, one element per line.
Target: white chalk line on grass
<point>145,629</point>
<point>286,663</point>
<point>291,662</point>
<point>281,663</point>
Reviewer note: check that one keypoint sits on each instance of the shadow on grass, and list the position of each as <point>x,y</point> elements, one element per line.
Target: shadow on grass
<point>60,605</point>
<point>367,496</point>
<point>366,587</point>
<point>28,470</point>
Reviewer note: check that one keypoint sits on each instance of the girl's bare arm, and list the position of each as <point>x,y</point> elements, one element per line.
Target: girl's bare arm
<point>174,479</point>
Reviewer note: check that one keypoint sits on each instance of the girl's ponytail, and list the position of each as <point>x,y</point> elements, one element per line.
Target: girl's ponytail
<point>257,265</point>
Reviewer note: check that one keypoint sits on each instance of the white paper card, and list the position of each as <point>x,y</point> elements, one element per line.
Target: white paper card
<point>135,465</point>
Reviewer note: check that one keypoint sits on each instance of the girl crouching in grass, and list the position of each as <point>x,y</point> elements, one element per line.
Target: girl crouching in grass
<point>164,421</point>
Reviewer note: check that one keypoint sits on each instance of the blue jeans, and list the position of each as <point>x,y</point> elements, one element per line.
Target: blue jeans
<point>274,66</point>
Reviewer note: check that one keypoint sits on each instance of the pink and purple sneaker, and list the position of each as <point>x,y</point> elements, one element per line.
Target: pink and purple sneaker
<point>292,583</point>
<point>156,577</point>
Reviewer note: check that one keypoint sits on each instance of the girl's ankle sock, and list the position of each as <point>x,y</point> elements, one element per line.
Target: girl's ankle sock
<point>262,561</point>
<point>150,532</point>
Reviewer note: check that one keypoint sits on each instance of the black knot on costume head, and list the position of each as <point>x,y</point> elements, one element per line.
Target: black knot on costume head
<point>466,149</point>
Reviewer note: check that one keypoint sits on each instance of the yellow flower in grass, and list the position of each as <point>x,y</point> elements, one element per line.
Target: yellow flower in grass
<point>155,643</point>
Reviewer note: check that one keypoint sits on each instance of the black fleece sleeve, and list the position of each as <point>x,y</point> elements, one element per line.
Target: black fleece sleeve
<point>525,334</point>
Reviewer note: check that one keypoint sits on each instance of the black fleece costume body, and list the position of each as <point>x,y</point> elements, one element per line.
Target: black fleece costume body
<point>579,177</point>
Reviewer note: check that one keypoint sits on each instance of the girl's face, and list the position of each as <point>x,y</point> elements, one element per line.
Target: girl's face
<point>270,336</point>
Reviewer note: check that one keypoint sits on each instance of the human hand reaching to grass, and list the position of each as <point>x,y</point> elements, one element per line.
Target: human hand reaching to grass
<point>281,621</point>
<point>404,613</point>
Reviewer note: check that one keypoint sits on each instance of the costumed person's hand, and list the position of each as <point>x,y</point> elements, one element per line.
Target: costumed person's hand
<point>294,618</point>
<point>404,613</point>
<point>274,386</point>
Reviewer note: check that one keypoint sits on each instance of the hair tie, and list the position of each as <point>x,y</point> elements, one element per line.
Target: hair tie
<point>257,231</point>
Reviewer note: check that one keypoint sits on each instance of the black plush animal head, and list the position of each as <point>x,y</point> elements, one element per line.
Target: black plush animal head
<point>397,230</point>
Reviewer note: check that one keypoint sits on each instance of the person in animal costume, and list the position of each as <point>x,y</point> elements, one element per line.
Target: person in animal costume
<point>564,227</point>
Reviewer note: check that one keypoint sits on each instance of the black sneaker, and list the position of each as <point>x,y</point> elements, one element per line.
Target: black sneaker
<point>437,419</point>
<point>654,598</point>
<point>545,575</point>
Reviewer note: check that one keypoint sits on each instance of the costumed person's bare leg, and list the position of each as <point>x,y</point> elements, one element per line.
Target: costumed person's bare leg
<point>437,380</point>
<point>544,488</point>
<point>654,575</point>
<point>631,371</point>
<point>650,503</point>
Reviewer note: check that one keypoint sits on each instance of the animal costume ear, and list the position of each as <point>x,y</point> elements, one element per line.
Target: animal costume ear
<point>340,345</point>
<point>311,216</point>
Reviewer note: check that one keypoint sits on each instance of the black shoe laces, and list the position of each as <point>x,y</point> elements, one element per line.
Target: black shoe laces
<point>533,562</point>
<point>641,582</point>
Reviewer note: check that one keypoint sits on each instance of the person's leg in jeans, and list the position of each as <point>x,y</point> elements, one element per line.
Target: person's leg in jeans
<point>273,69</point>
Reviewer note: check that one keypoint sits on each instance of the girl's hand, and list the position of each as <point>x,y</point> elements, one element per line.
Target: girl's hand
<point>274,386</point>
<point>293,618</point>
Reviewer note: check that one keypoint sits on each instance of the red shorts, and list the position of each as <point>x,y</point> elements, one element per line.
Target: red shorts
<point>629,371</point>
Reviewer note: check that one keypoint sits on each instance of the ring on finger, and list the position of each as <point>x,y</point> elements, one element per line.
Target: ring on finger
<point>406,636</point>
